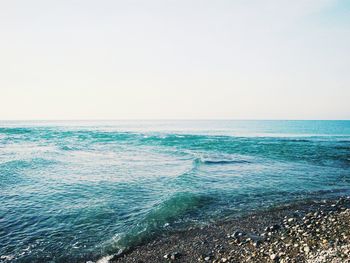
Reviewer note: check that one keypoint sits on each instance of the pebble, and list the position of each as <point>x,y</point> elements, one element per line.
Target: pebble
<point>290,220</point>
<point>175,255</point>
<point>273,256</point>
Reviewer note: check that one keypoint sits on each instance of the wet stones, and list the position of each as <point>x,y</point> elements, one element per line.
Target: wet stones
<point>316,233</point>
<point>172,256</point>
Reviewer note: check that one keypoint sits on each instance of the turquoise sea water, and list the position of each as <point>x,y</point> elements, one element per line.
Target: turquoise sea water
<point>79,191</point>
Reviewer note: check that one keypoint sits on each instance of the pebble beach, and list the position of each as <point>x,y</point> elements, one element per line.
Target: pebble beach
<point>311,232</point>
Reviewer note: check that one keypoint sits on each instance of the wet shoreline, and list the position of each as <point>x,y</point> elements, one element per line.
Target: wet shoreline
<point>313,231</point>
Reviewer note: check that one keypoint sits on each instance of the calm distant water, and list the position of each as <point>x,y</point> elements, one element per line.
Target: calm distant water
<point>78,191</point>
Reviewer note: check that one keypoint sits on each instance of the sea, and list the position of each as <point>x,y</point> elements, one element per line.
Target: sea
<point>78,191</point>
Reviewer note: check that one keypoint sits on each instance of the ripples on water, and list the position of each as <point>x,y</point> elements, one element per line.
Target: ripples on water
<point>74,191</point>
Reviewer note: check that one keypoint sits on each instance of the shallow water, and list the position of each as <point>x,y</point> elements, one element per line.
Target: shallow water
<point>83,190</point>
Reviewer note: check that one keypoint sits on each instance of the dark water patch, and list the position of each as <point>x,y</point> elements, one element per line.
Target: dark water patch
<point>15,165</point>
<point>34,163</point>
<point>18,172</point>
<point>15,130</point>
<point>68,148</point>
<point>218,162</point>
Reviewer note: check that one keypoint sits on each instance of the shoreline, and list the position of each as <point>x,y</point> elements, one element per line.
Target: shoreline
<point>316,231</point>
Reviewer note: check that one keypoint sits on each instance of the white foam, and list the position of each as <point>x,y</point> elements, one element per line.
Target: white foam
<point>105,259</point>
<point>7,257</point>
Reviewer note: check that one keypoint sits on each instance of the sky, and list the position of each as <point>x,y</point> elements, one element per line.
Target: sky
<point>174,59</point>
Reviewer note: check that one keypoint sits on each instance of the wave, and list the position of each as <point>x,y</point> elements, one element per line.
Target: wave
<point>223,159</point>
<point>175,206</point>
<point>175,210</point>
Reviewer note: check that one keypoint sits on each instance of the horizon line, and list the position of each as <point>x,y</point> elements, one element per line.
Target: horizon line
<point>174,119</point>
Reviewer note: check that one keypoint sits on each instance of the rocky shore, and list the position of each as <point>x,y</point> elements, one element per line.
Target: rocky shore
<point>312,232</point>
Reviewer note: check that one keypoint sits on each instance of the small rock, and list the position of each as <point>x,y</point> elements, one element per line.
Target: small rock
<point>257,243</point>
<point>273,256</point>
<point>207,258</point>
<point>175,255</point>
<point>306,249</point>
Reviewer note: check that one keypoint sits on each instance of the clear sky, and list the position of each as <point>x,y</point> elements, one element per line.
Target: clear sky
<point>180,59</point>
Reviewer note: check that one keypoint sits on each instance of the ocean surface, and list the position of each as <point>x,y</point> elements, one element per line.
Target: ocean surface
<point>79,191</point>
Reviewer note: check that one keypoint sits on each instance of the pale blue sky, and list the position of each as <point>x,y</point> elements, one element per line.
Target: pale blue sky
<point>202,59</point>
